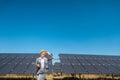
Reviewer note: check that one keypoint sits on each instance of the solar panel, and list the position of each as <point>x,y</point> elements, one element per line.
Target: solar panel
<point>31,69</point>
<point>57,67</point>
<point>67,68</point>
<point>92,64</point>
<point>19,63</point>
<point>80,69</point>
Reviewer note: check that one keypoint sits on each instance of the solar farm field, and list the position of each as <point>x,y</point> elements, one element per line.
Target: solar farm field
<point>71,67</point>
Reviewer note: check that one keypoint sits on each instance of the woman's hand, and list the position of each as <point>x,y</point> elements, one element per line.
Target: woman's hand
<point>37,65</point>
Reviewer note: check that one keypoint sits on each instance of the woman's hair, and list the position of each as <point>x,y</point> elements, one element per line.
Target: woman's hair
<point>43,52</point>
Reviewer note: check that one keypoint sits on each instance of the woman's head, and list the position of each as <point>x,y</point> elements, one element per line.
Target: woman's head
<point>43,53</point>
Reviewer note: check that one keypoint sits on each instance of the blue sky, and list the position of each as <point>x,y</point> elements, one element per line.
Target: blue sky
<point>60,26</point>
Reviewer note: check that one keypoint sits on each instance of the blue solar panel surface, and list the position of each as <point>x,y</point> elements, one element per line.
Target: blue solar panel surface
<point>90,64</point>
<point>69,63</point>
<point>19,63</point>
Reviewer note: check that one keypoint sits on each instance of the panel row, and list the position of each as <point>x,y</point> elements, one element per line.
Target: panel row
<point>90,64</point>
<point>19,63</point>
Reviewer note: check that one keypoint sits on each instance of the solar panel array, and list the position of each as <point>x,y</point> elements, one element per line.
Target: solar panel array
<point>88,64</point>
<point>19,63</point>
<point>69,63</point>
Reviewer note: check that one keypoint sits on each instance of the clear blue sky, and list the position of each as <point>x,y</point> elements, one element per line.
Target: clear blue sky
<point>60,26</point>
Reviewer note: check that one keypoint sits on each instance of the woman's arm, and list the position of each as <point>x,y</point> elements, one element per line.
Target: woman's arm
<point>37,64</point>
<point>51,56</point>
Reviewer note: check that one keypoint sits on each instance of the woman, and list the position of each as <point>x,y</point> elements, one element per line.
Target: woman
<point>41,65</point>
